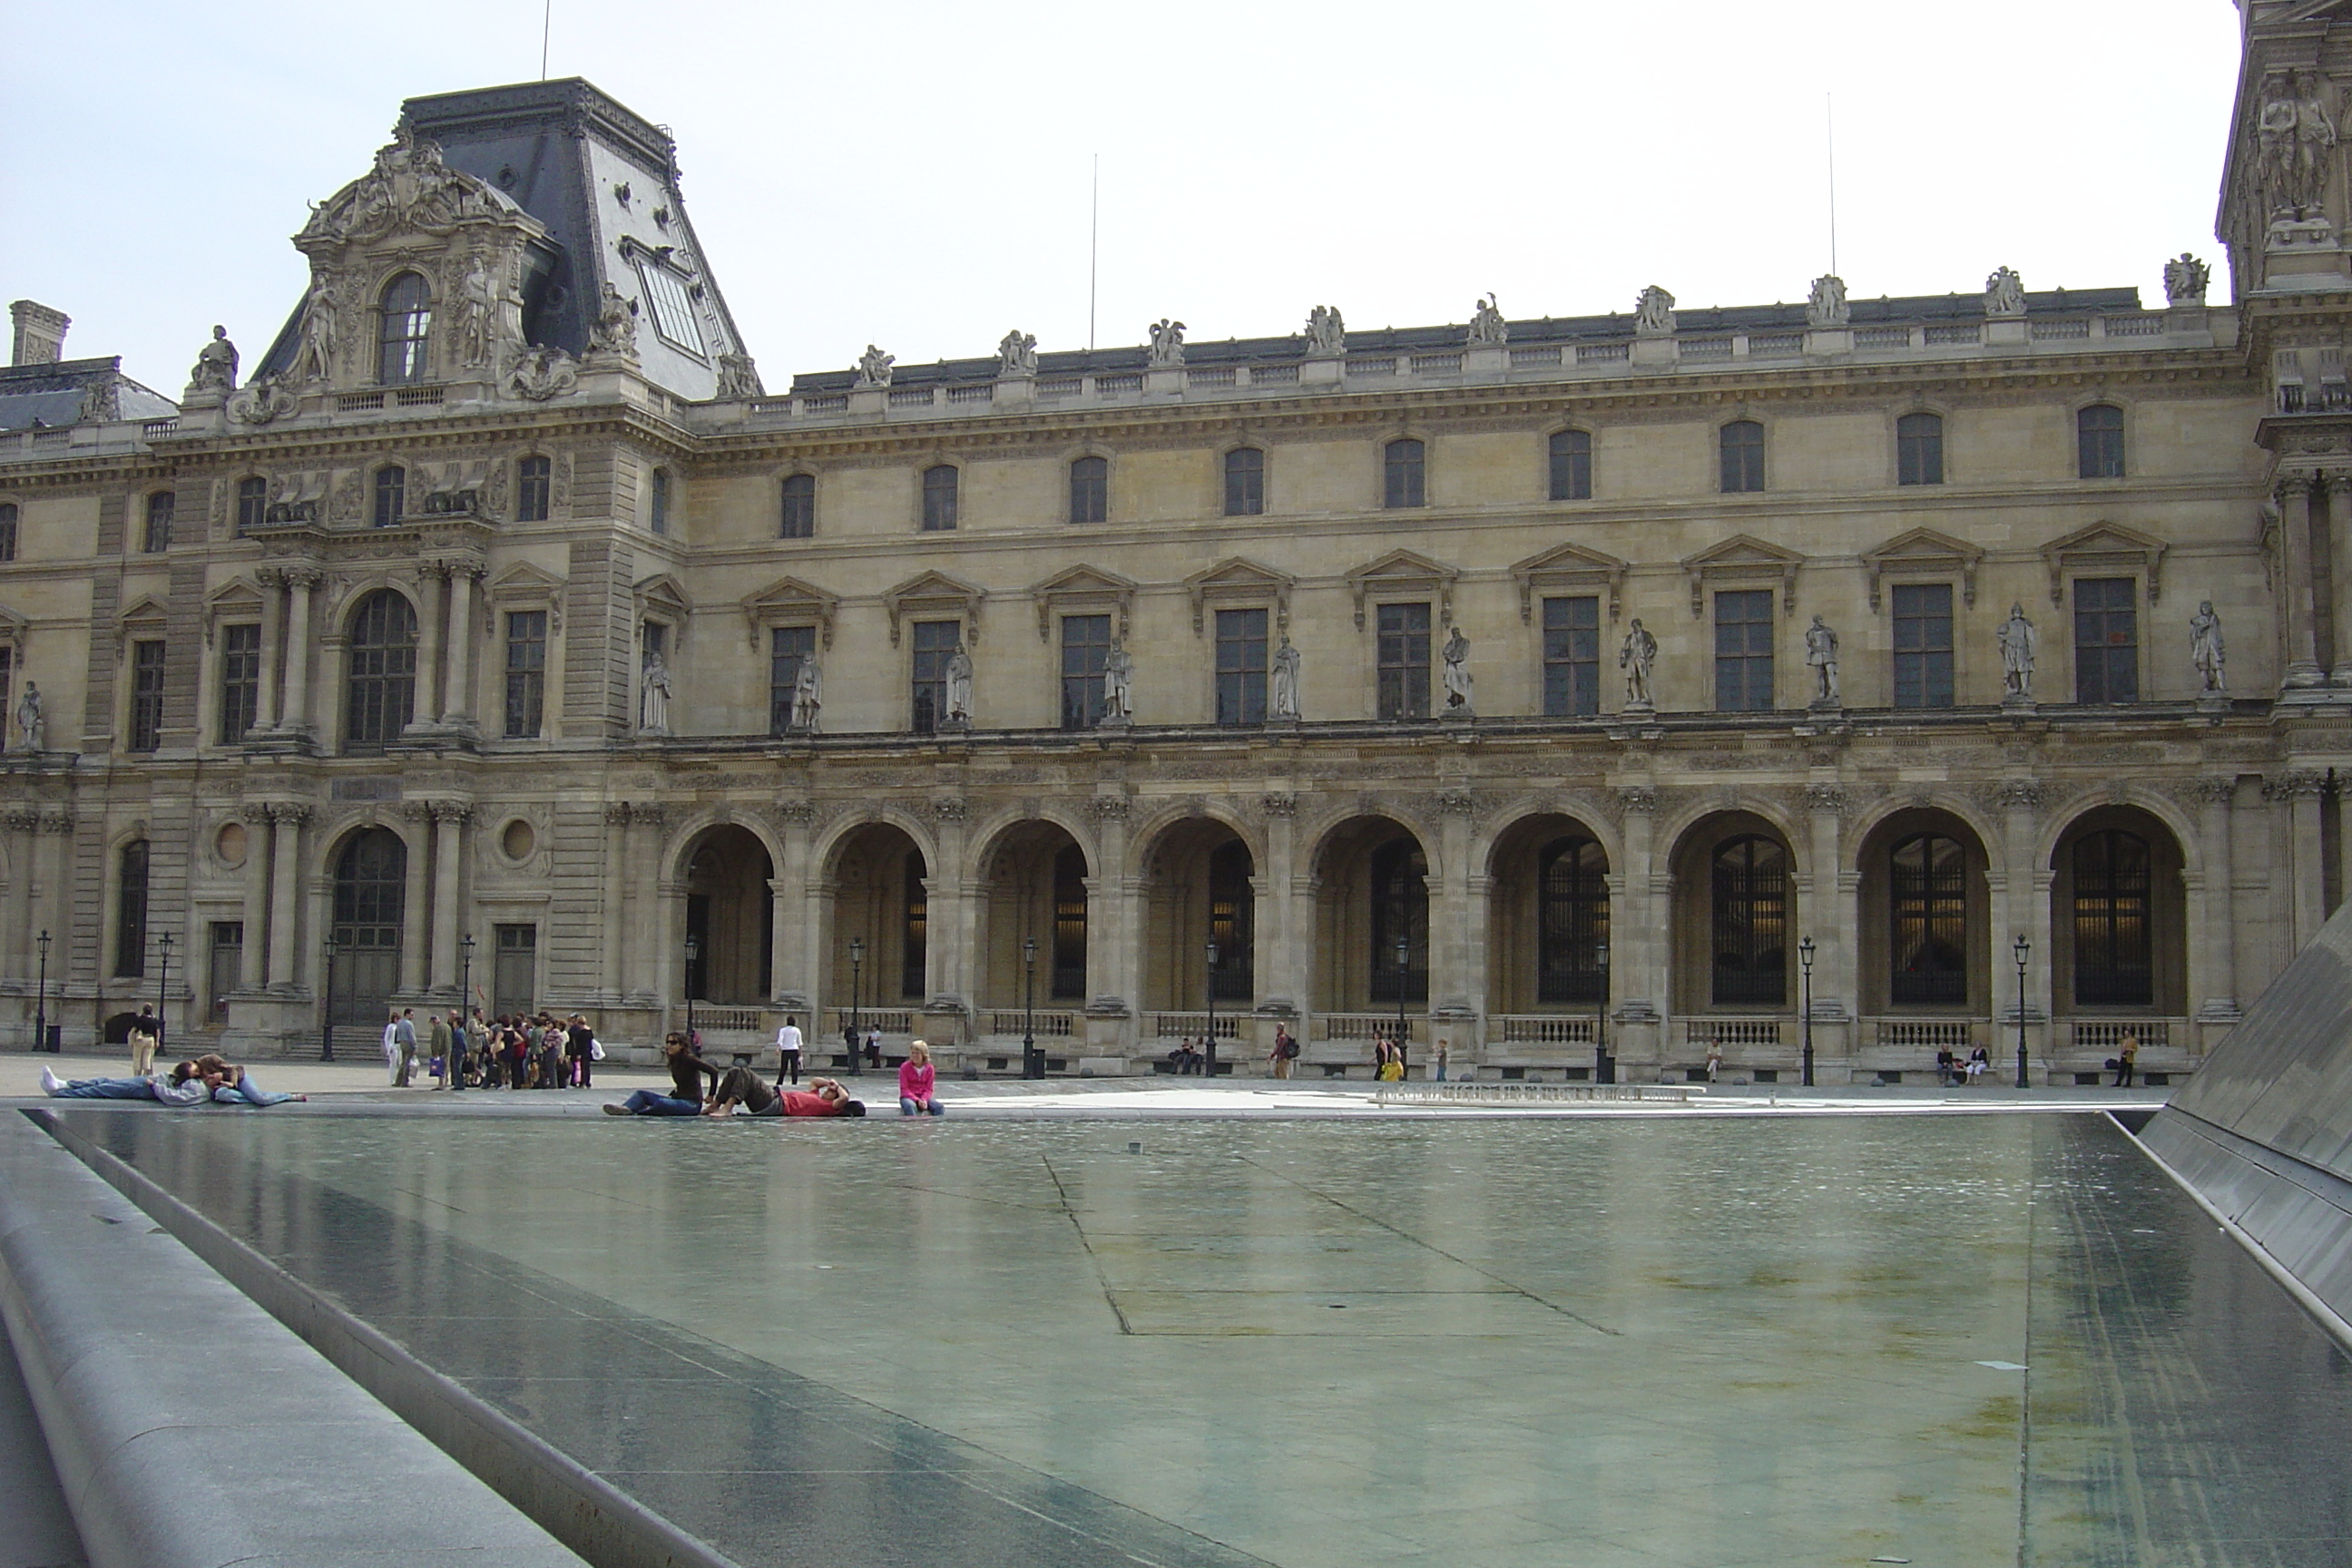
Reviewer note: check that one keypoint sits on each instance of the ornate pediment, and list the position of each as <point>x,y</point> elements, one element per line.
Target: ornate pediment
<point>1236,580</point>
<point>239,599</point>
<point>527,587</point>
<point>14,629</point>
<point>1743,559</point>
<point>1404,572</point>
<point>1569,566</point>
<point>663,597</point>
<point>1082,589</point>
<point>935,593</point>
<point>786,602</point>
<point>144,617</point>
<point>2104,547</point>
<point>1924,551</point>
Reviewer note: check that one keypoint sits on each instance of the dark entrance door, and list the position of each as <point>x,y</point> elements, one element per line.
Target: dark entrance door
<point>370,889</point>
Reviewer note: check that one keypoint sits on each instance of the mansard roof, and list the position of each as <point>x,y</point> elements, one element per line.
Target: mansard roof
<point>51,396</point>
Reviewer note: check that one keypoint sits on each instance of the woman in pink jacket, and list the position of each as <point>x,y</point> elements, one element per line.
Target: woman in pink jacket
<point>915,1079</point>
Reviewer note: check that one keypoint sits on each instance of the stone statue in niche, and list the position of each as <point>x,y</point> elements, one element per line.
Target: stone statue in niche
<point>1487,328</point>
<point>1456,676</point>
<point>739,379</point>
<point>1327,334</point>
<point>1016,354</point>
<point>101,401</point>
<point>874,368</point>
<point>1826,305</point>
<point>653,702</point>
<point>1118,684</point>
<point>808,696</point>
<point>2004,296</point>
<point>1167,344</point>
<point>1822,659</point>
<point>322,329</point>
<point>2294,138</point>
<point>1637,657</point>
<point>2186,279</point>
<point>478,305</point>
<point>614,330</point>
<point>2207,651</point>
<point>541,373</point>
<point>32,725</point>
<point>959,684</point>
<point>215,372</point>
<point>1653,313</point>
<point>2018,642</point>
<point>1282,694</point>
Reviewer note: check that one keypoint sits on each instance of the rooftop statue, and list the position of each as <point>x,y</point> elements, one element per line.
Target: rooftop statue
<point>1167,342</point>
<point>215,372</point>
<point>2004,297</point>
<point>2186,279</point>
<point>1653,313</point>
<point>1327,334</point>
<point>1826,305</point>
<point>614,330</point>
<point>1487,328</point>
<point>874,367</point>
<point>1016,354</point>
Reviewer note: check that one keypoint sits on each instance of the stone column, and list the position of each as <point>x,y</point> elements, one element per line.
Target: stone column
<point>649,958</point>
<point>1281,978</point>
<point>613,986</point>
<point>429,672</point>
<point>286,819</point>
<point>458,700</point>
<point>273,643</point>
<point>1831,920</point>
<point>1454,923</point>
<point>55,895</point>
<point>952,921</point>
<point>2297,795</point>
<point>2336,487</point>
<point>299,581</point>
<point>449,821</point>
<point>1114,944</point>
<point>2214,926</point>
<point>1638,939</point>
<point>2294,495</point>
<point>2024,911</point>
<point>23,848</point>
<point>415,906</point>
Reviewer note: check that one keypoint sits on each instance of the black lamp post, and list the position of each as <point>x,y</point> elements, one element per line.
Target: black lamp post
<point>1210,1067</point>
<point>1805,969</point>
<point>1604,1069</point>
<point>41,997</point>
<point>1032,1060</point>
<point>456,1066</point>
<point>2024,950</point>
<point>331,946</point>
<point>693,954</point>
<point>164,992</point>
<point>1403,962</point>
<point>856,993</point>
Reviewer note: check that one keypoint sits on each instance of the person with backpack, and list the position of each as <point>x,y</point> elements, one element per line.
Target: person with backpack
<point>1286,1051</point>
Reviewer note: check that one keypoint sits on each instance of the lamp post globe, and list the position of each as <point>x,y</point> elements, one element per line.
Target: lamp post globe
<point>2024,950</point>
<point>693,954</point>
<point>1209,1067</point>
<point>1805,951</point>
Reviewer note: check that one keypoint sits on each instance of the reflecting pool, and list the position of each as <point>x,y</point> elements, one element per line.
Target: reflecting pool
<point>1946,1340</point>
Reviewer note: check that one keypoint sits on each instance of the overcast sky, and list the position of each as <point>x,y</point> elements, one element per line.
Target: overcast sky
<point>917,174</point>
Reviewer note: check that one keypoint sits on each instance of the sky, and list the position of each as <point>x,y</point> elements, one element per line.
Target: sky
<point>919,174</point>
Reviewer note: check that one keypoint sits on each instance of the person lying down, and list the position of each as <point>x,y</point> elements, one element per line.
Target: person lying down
<point>207,1079</point>
<point>742,1087</point>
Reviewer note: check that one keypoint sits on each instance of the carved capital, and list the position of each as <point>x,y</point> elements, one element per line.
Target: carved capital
<point>2300,785</point>
<point>59,822</point>
<point>796,813</point>
<point>1108,807</point>
<point>2014,794</point>
<point>651,813</point>
<point>1279,805</point>
<point>1828,798</point>
<point>954,808</point>
<point>454,811</point>
<point>303,577</point>
<point>2208,792</point>
<point>23,821</point>
<point>1638,800</point>
<point>292,812</point>
<point>1456,802</point>
<point>616,814</point>
<point>2297,486</point>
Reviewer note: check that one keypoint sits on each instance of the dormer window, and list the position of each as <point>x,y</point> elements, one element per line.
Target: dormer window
<point>672,306</point>
<point>407,318</point>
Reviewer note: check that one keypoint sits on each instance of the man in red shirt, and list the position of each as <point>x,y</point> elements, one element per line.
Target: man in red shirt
<point>823,1097</point>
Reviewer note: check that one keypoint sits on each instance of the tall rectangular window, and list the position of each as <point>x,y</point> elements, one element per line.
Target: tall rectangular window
<point>1923,645</point>
<point>7,531</point>
<point>939,499</point>
<point>240,677</point>
<point>2099,442</point>
<point>7,690</point>
<point>1241,666</point>
<point>130,910</point>
<point>1740,445</point>
<point>935,643</point>
<point>390,495</point>
<point>657,501</point>
<point>146,696</point>
<point>1571,656</point>
<point>252,504</point>
<point>2106,640</point>
<point>788,648</point>
<point>1572,464</point>
<point>534,488</point>
<point>1086,647</point>
<point>1090,490</point>
<point>1743,651</point>
<point>526,674</point>
<point>1404,473</point>
<point>158,523</point>
<point>1403,691</point>
<point>1919,449</point>
<point>1245,482</point>
<point>799,518</point>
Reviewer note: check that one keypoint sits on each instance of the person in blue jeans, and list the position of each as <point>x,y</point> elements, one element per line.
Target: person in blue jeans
<point>97,1088</point>
<point>687,1071</point>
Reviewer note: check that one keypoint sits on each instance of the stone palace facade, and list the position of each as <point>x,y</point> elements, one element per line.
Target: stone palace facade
<point>1652,673</point>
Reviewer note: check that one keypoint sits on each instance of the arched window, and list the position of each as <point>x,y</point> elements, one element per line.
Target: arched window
<point>534,488</point>
<point>914,947</point>
<point>1928,899</point>
<point>407,322</point>
<point>1400,909</point>
<point>1919,449</point>
<point>1571,921</point>
<point>1403,471</point>
<point>382,691</point>
<point>1233,909</point>
<point>2099,442</point>
<point>1245,482</point>
<point>1741,446</point>
<point>657,501</point>
<point>252,504</point>
<point>158,523</point>
<point>799,518</point>
<point>371,891</point>
<point>1070,924</point>
<point>1090,490</point>
<point>939,499</point>
<point>1750,924</point>
<point>1572,464</point>
<point>130,910</point>
<point>2114,944</point>
<point>390,495</point>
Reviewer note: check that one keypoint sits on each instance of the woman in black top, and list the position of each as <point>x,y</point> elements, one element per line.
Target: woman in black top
<point>687,1071</point>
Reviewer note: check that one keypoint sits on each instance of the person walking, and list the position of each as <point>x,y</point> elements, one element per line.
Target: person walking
<point>1438,1056</point>
<point>915,1079</point>
<point>404,1045</point>
<point>146,1035</point>
<point>874,1045</point>
<point>1282,1053</point>
<point>579,1051</point>
<point>440,1046</point>
<point>788,1051</point>
<point>2126,1059</point>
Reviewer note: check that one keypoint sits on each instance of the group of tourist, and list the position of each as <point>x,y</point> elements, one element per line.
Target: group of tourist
<point>204,1080</point>
<point>513,1050</point>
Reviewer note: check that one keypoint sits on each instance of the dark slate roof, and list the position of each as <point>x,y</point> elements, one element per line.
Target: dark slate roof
<point>1927,307</point>
<point>48,396</point>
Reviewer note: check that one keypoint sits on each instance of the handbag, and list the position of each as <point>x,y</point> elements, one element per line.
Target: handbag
<point>596,1049</point>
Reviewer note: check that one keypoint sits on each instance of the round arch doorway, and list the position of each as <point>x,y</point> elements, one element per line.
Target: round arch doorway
<point>371,908</point>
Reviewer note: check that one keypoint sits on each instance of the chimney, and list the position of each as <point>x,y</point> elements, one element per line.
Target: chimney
<point>40,333</point>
